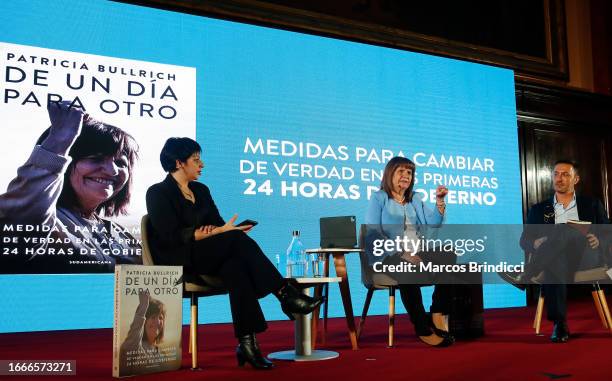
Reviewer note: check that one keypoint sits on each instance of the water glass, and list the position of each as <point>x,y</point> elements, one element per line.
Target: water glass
<point>316,263</point>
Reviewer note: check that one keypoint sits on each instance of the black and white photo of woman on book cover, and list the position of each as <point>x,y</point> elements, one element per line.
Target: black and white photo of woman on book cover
<point>140,351</point>
<point>55,213</point>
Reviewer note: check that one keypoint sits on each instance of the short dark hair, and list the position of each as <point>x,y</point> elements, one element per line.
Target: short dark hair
<point>386,183</point>
<point>99,139</point>
<point>177,149</point>
<point>573,163</point>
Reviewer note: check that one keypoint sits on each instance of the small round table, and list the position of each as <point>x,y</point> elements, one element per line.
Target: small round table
<point>303,349</point>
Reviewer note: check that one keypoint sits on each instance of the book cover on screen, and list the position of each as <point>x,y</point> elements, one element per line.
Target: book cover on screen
<point>147,319</point>
<point>86,132</point>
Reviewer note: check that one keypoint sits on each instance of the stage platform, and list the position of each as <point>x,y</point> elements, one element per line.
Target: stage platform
<point>509,351</point>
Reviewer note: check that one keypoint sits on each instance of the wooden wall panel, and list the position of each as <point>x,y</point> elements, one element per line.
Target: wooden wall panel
<point>551,66</point>
<point>549,145</point>
<point>556,124</point>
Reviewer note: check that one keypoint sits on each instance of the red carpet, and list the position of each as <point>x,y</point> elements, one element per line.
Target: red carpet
<point>509,351</point>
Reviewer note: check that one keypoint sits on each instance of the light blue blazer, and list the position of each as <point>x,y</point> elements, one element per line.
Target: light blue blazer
<point>385,220</point>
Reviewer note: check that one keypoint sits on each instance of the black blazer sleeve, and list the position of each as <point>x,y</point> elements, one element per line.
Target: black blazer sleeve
<point>601,217</point>
<point>527,238</point>
<point>172,242</point>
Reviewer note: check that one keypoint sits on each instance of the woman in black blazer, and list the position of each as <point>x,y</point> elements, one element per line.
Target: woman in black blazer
<point>187,230</point>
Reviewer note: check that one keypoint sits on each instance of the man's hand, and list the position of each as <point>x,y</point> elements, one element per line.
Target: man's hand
<point>66,123</point>
<point>538,242</point>
<point>414,259</point>
<point>593,241</point>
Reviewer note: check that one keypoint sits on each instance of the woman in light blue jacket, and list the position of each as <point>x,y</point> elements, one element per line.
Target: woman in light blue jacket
<point>395,213</point>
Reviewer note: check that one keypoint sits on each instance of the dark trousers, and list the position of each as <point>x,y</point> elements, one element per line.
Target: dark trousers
<point>555,296</point>
<point>411,293</point>
<point>413,301</point>
<point>559,257</point>
<point>246,272</point>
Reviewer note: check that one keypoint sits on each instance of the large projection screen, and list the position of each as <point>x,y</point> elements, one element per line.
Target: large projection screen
<point>293,127</point>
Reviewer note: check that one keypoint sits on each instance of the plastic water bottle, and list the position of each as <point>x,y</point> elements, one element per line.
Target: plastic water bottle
<point>296,260</point>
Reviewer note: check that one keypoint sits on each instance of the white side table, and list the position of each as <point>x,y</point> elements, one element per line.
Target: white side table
<point>303,349</point>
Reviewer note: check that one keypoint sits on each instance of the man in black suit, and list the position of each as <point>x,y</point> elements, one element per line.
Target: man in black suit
<point>557,251</point>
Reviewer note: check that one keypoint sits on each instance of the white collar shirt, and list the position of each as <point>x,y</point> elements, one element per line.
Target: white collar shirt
<point>562,214</point>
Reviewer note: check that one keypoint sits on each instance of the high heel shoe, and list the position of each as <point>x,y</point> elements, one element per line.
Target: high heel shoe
<point>434,340</point>
<point>294,302</point>
<point>439,328</point>
<point>248,351</point>
<point>426,334</point>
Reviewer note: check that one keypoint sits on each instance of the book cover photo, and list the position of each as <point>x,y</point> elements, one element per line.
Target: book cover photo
<point>148,319</point>
<point>70,115</point>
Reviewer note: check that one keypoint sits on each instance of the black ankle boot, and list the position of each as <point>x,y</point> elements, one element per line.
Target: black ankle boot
<point>294,302</point>
<point>248,351</point>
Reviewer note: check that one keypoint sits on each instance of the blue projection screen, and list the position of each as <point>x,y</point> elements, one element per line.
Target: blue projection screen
<point>293,127</point>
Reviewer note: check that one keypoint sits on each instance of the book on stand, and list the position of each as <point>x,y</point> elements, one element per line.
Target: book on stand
<point>147,319</point>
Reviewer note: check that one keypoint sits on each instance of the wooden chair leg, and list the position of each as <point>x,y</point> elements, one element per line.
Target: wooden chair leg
<point>535,317</point>
<point>598,306</point>
<point>364,313</point>
<point>391,314</point>
<point>189,347</point>
<point>193,332</point>
<point>538,316</point>
<point>604,307</point>
<point>345,292</point>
